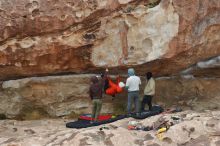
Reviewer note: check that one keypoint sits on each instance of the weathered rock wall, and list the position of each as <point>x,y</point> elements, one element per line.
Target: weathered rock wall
<point>68,95</point>
<point>192,93</point>
<point>41,37</point>
<point>56,96</point>
<point>47,37</point>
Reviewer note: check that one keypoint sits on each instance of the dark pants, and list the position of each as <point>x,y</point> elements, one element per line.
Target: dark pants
<point>146,100</point>
<point>133,97</point>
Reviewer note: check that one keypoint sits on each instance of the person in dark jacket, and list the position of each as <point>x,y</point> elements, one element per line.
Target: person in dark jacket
<point>95,93</point>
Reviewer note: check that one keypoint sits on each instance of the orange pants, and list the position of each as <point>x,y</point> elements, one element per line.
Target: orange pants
<point>113,88</point>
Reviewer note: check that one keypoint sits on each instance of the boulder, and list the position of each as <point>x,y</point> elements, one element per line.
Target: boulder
<point>166,37</point>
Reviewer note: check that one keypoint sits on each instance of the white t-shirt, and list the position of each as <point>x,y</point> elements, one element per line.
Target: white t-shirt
<point>133,83</point>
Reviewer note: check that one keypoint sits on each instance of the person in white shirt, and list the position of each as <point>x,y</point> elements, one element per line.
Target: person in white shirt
<point>132,84</point>
<point>149,91</point>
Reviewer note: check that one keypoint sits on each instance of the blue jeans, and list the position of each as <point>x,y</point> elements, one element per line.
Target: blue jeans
<point>133,96</point>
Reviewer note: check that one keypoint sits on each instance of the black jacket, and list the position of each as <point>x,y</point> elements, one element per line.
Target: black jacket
<point>95,90</point>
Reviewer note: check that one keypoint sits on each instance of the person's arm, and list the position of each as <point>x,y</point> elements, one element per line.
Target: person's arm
<point>106,73</point>
<point>127,84</point>
<point>104,78</point>
<point>145,88</point>
<point>151,85</point>
<point>90,93</point>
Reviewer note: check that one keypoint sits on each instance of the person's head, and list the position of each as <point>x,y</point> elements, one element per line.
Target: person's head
<point>94,80</point>
<point>102,75</point>
<point>131,72</point>
<point>149,75</point>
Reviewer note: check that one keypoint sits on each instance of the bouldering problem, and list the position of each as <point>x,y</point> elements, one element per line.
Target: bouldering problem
<point>53,89</point>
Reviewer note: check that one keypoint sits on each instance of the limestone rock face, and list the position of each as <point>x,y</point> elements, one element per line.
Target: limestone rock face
<point>59,96</point>
<point>54,96</point>
<point>47,37</point>
<point>43,37</point>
